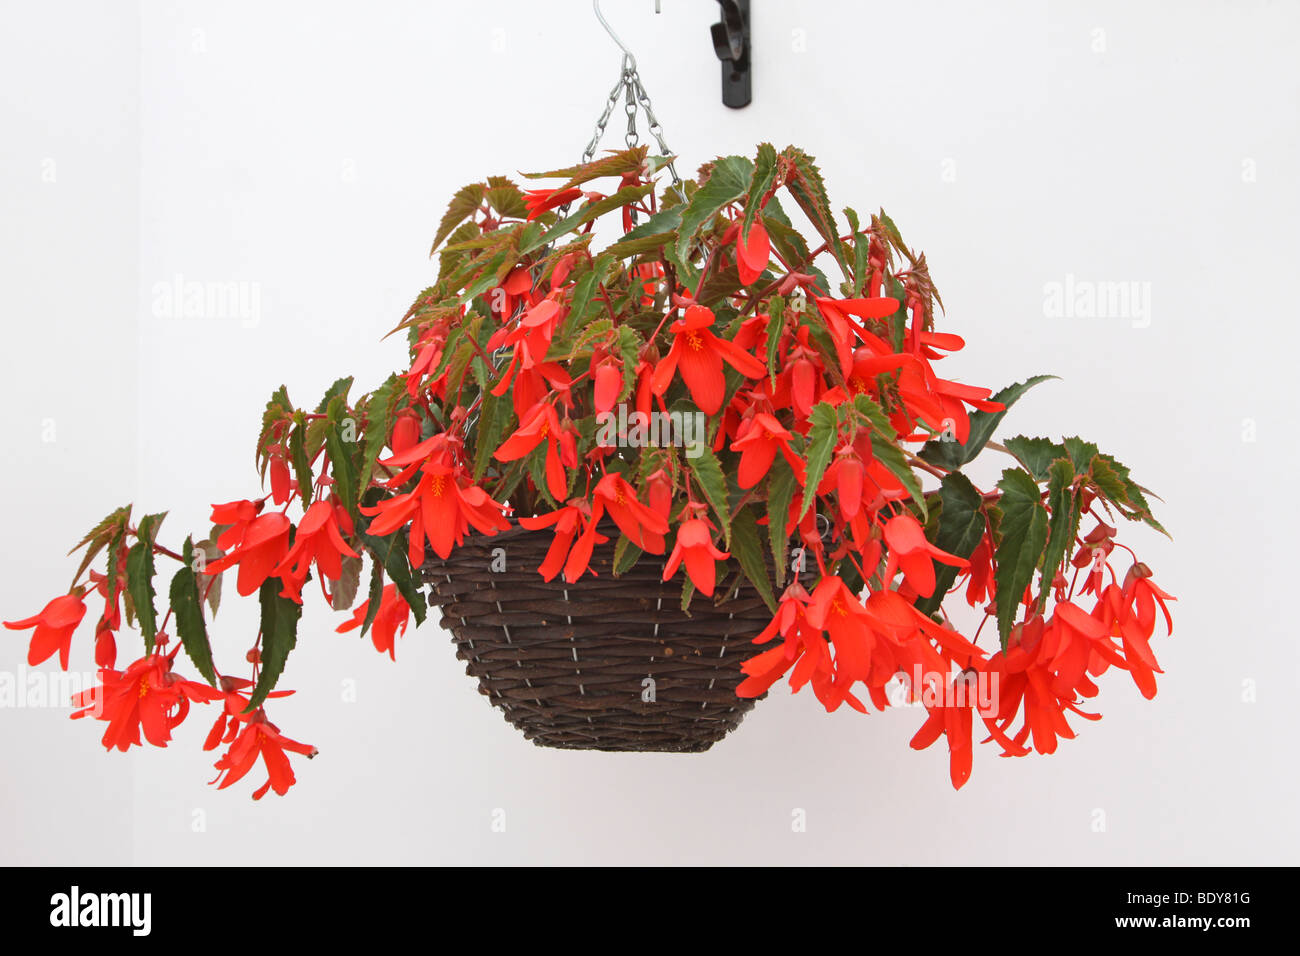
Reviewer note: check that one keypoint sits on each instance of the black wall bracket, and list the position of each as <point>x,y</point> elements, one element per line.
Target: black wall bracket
<point>731,43</point>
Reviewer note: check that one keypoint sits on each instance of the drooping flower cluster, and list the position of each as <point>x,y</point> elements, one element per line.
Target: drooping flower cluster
<point>701,390</point>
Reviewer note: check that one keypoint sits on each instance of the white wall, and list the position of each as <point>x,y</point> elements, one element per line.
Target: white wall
<point>308,149</point>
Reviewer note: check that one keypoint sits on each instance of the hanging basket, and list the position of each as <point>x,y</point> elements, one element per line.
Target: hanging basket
<point>606,663</point>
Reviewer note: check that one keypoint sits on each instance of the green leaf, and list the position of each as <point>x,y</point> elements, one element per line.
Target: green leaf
<point>748,550</point>
<point>1133,495</point>
<point>1022,532</point>
<point>391,552</point>
<point>626,555</point>
<point>495,421</point>
<point>961,525</point>
<point>298,456</point>
<point>462,206</point>
<point>1064,503</point>
<point>379,421</point>
<point>822,438</point>
<point>376,594</point>
<point>649,235</point>
<point>892,457</point>
<point>343,468</point>
<point>780,492</point>
<point>340,387</point>
<point>505,198</point>
<point>784,237</point>
<point>868,410</point>
<point>99,536</point>
<point>727,182</point>
<point>809,191</point>
<point>951,454</point>
<point>708,473</point>
<point>585,302</point>
<point>1108,480</point>
<point>1036,454</point>
<point>278,408</point>
<point>187,608</point>
<point>139,578</point>
<point>279,636</point>
<point>1081,452</point>
<point>760,182</point>
<point>775,327</point>
<point>615,164</point>
<point>624,197</point>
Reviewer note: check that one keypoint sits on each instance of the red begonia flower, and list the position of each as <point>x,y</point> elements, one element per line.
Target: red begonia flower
<point>700,354</point>
<point>54,626</point>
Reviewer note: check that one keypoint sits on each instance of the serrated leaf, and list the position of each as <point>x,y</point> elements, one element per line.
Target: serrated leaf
<point>1081,452</point>
<point>728,181</point>
<point>892,457</point>
<point>391,552</point>
<point>345,588</point>
<point>747,549</point>
<point>1022,532</point>
<point>617,163</point>
<point>212,582</point>
<point>809,191</point>
<point>376,594</point>
<point>961,525</point>
<point>139,578</point>
<point>708,473</point>
<point>759,183</point>
<point>463,204</point>
<point>505,198</point>
<point>341,387</point>
<point>592,210</point>
<point>868,410</point>
<point>656,231</point>
<point>278,408</point>
<point>822,438</point>
<point>298,457</point>
<point>279,624</point>
<point>785,238</point>
<point>343,468</point>
<point>187,609</point>
<point>379,421</point>
<point>1133,494</point>
<point>1036,454</point>
<point>584,302</point>
<point>775,328</point>
<point>688,592</point>
<point>951,454</point>
<point>626,555</point>
<point>99,536</point>
<point>1108,481</point>
<point>1064,524</point>
<point>780,492</point>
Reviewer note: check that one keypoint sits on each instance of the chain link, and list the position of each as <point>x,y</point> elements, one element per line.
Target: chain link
<point>635,97</point>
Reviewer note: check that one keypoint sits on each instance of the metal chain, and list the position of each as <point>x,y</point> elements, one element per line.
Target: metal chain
<point>657,131</point>
<point>589,153</point>
<point>634,97</point>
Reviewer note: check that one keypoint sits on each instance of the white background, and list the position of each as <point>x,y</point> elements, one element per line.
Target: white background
<point>309,148</point>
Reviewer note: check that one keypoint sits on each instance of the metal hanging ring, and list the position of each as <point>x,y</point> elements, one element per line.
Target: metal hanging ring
<point>629,61</point>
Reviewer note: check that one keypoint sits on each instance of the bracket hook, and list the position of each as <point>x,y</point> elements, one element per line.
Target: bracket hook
<point>731,43</point>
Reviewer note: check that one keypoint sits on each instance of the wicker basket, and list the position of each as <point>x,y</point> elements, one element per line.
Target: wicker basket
<point>568,663</point>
